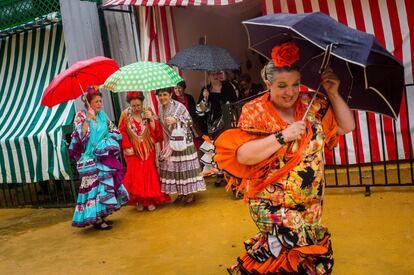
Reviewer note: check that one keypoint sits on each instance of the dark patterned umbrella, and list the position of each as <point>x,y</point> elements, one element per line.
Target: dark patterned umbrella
<point>204,58</point>
<point>372,79</point>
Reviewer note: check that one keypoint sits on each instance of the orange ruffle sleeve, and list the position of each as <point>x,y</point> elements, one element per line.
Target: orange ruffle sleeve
<point>330,129</point>
<point>226,146</point>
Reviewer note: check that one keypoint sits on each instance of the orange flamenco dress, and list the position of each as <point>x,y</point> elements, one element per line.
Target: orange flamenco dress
<point>285,191</point>
<point>141,179</point>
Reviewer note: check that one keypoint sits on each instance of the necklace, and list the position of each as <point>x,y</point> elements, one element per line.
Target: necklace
<point>138,130</point>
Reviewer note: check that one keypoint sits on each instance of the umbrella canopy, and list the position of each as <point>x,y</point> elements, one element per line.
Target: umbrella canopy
<point>372,79</point>
<point>71,83</point>
<point>204,58</point>
<point>142,76</point>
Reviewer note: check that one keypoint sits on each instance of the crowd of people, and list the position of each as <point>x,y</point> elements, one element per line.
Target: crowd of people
<point>275,157</point>
<point>151,175</point>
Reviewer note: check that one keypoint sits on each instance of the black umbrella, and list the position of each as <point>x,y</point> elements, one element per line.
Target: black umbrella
<point>372,79</point>
<point>204,58</point>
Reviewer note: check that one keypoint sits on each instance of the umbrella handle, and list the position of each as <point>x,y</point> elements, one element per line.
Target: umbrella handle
<point>83,93</point>
<point>311,102</point>
<point>327,57</point>
<point>290,146</point>
<point>205,73</point>
<point>325,63</point>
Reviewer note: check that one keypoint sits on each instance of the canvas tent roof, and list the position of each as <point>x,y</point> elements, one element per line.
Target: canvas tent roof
<point>31,144</point>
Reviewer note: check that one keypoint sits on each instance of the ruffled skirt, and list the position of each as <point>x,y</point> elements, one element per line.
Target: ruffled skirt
<point>143,182</point>
<point>286,244</point>
<point>180,173</point>
<point>102,193</point>
<point>98,196</point>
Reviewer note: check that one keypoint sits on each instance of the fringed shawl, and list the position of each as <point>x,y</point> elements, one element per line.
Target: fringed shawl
<point>259,118</point>
<point>140,139</point>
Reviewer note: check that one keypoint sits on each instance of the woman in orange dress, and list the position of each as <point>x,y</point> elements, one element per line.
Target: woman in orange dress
<point>275,156</point>
<point>140,132</point>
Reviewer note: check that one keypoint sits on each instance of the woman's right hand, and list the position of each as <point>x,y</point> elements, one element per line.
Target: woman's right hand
<point>90,114</point>
<point>170,121</point>
<point>294,131</point>
<point>129,151</point>
<point>205,94</point>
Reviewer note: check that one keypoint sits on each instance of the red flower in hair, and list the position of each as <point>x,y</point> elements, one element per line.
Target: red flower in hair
<point>285,55</point>
<point>134,94</point>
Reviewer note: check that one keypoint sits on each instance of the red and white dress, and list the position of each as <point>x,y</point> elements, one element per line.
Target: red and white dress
<point>141,179</point>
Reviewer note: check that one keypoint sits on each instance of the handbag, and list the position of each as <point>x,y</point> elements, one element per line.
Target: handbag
<point>215,125</point>
<point>86,167</point>
<point>178,140</point>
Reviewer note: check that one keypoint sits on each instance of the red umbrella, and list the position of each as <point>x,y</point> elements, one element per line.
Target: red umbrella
<point>71,83</point>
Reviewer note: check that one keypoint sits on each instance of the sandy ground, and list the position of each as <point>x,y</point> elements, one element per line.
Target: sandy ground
<point>371,235</point>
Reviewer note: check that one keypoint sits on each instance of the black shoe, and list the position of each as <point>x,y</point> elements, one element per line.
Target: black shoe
<point>189,199</point>
<point>237,195</point>
<point>108,222</point>
<point>102,226</point>
<point>179,199</point>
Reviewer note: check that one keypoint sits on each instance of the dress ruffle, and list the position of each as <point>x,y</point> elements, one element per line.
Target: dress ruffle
<point>142,181</point>
<point>311,260</point>
<point>98,197</point>
<point>102,193</point>
<point>181,173</point>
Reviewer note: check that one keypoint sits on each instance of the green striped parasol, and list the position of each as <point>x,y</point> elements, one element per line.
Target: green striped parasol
<point>142,76</point>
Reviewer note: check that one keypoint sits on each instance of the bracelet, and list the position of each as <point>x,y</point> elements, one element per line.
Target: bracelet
<point>279,137</point>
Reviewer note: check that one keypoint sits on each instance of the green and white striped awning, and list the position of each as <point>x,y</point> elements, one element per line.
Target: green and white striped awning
<point>31,144</point>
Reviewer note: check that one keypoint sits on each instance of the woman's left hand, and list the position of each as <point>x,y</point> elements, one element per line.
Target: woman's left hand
<point>148,114</point>
<point>170,121</point>
<point>330,82</point>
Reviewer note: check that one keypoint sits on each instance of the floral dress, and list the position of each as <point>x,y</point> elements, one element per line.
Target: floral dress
<point>101,192</point>
<point>284,192</point>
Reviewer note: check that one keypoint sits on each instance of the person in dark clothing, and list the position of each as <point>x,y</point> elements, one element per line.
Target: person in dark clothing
<point>232,76</point>
<point>186,99</point>
<point>209,108</point>
<point>247,88</point>
<point>210,102</point>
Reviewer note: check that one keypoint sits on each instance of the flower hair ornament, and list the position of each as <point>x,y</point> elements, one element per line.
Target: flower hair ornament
<point>89,90</point>
<point>133,94</point>
<point>285,55</point>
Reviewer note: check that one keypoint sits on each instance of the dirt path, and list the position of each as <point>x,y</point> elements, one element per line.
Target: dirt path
<point>371,235</point>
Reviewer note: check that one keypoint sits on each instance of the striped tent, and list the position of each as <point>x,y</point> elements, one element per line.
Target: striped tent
<point>376,138</point>
<point>170,2</point>
<point>31,144</point>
